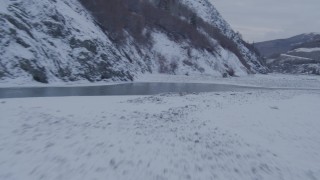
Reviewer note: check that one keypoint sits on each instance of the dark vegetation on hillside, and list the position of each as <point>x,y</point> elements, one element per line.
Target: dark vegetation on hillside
<point>138,17</point>
<point>135,16</point>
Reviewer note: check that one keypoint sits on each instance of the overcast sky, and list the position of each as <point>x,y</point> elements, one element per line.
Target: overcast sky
<point>259,20</point>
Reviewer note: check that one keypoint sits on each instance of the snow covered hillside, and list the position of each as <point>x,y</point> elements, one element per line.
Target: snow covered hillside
<point>210,14</point>
<point>59,40</point>
<point>49,40</point>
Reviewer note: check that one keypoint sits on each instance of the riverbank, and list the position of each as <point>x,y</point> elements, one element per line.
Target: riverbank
<point>271,80</point>
<point>228,135</point>
<point>257,80</point>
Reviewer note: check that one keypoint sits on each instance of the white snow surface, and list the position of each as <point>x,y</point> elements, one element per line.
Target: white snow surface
<point>257,80</point>
<point>222,136</point>
<point>292,57</point>
<point>307,50</point>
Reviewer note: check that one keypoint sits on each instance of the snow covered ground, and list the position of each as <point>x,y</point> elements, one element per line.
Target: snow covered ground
<point>257,80</point>
<point>230,135</point>
<point>306,50</point>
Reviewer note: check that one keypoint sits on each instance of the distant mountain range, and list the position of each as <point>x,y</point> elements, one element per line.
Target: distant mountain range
<point>298,55</point>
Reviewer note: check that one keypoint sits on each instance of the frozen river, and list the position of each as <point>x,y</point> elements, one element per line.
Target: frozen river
<point>120,89</point>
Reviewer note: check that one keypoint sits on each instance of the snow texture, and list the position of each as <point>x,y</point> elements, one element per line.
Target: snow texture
<point>258,80</point>
<point>306,50</point>
<point>291,57</point>
<point>229,135</point>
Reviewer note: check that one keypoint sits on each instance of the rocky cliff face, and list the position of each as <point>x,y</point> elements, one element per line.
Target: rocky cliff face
<point>67,40</point>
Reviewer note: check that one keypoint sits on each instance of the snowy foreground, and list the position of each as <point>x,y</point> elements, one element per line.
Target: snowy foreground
<point>230,135</point>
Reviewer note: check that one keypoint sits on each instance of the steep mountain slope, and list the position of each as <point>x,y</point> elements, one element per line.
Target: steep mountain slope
<point>68,40</point>
<point>209,13</point>
<point>297,55</point>
<point>48,40</point>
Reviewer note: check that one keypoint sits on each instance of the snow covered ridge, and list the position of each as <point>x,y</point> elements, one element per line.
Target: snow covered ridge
<point>296,62</point>
<point>296,55</point>
<point>307,49</point>
<point>293,58</point>
<point>59,40</point>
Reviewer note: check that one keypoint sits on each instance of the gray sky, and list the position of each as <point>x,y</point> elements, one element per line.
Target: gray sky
<point>259,20</point>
